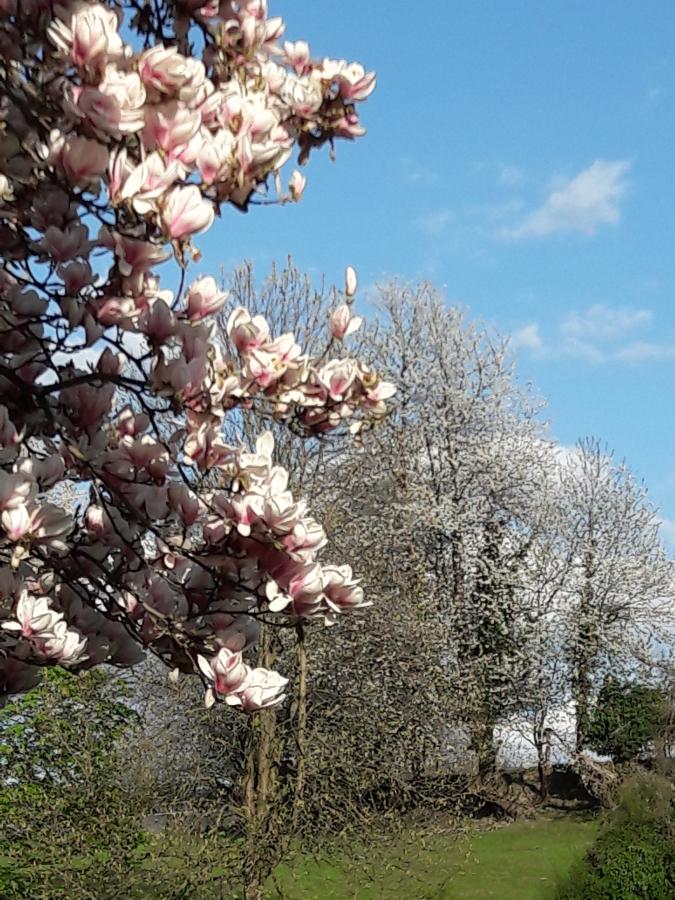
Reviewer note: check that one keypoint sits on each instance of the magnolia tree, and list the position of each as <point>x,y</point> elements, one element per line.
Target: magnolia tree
<point>125,128</point>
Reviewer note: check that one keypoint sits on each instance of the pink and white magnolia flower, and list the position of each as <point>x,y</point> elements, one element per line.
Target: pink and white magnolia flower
<point>262,690</point>
<point>84,161</point>
<point>75,276</point>
<point>297,55</point>
<point>65,645</point>
<point>112,383</point>
<point>170,127</point>
<point>204,298</point>
<point>343,323</point>
<point>185,213</point>
<point>247,333</point>
<point>15,522</point>
<point>34,617</point>
<point>66,244</point>
<point>115,106</point>
<point>226,671</point>
<point>88,36</point>
<point>166,71</point>
<point>337,377</point>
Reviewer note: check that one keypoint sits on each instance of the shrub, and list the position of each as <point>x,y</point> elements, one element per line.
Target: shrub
<point>633,857</point>
<point>626,719</point>
<point>70,827</point>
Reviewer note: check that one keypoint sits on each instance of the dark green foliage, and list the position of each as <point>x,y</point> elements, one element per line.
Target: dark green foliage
<point>72,817</point>
<point>626,719</point>
<point>59,780</point>
<point>633,857</point>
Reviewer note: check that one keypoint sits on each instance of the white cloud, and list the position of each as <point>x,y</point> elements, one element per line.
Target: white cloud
<point>509,176</point>
<point>602,322</point>
<point>417,173</point>
<point>528,338</point>
<point>582,204</point>
<point>435,223</point>
<point>600,334</point>
<point>645,351</point>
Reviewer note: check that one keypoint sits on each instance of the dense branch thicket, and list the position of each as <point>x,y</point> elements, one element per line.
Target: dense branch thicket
<point>468,529</point>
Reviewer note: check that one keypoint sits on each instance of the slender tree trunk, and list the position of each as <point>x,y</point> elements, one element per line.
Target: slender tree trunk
<point>584,654</point>
<point>300,726</point>
<point>542,743</point>
<point>582,692</point>
<point>259,786</point>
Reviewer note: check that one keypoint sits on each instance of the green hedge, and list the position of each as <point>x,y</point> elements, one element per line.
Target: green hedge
<point>633,857</point>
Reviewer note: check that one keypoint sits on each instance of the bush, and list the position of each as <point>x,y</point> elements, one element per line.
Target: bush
<point>70,826</point>
<point>626,719</point>
<point>633,857</point>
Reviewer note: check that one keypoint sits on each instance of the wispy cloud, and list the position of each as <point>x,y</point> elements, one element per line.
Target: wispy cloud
<point>434,222</point>
<point>509,176</point>
<point>645,351</point>
<point>581,204</point>
<point>477,220</point>
<point>504,174</point>
<point>417,173</point>
<point>602,322</point>
<point>528,338</point>
<point>600,334</point>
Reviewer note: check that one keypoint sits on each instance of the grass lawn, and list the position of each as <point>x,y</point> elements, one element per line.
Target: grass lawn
<point>520,861</point>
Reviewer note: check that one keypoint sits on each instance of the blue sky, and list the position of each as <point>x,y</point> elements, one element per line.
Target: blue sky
<point>521,155</point>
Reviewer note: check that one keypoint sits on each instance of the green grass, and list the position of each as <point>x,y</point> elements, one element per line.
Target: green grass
<point>521,861</point>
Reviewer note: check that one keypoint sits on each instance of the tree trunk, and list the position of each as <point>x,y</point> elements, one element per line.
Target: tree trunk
<point>584,652</point>
<point>259,787</point>
<point>542,743</point>
<point>483,744</point>
<point>300,727</point>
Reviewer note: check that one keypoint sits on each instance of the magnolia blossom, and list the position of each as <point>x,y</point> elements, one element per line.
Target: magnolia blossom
<point>116,106</point>
<point>227,671</point>
<point>246,333</point>
<point>88,36</point>
<point>34,617</point>
<point>263,689</point>
<point>343,323</point>
<point>84,161</point>
<point>185,212</point>
<point>66,244</point>
<point>204,298</point>
<point>66,645</point>
<point>127,519</point>
<point>166,71</point>
<point>170,127</point>
<point>16,522</point>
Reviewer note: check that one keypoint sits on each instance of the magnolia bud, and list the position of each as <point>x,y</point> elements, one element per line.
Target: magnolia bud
<point>351,282</point>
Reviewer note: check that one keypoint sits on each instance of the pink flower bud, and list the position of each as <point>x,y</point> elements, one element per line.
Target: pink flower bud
<point>350,281</point>
<point>296,185</point>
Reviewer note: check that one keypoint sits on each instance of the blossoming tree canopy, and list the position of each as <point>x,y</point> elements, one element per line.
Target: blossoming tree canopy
<point>124,129</point>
